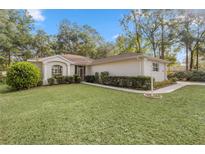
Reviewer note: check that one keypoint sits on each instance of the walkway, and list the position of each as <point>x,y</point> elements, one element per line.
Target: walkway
<point>167,89</point>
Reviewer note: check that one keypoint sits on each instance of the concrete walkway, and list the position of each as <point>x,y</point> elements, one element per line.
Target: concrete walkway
<point>167,89</point>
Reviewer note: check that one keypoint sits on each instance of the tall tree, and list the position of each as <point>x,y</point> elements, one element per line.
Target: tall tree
<point>83,40</point>
<point>15,34</point>
<point>42,44</point>
<point>198,36</point>
<point>131,24</point>
<point>185,36</point>
<point>150,27</point>
<point>168,26</point>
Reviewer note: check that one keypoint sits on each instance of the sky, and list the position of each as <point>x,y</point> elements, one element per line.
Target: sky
<point>106,22</point>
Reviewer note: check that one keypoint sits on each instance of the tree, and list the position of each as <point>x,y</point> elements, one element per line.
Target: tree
<point>167,29</point>
<point>150,27</point>
<point>67,38</point>
<point>41,44</point>
<point>198,36</point>
<point>105,49</point>
<point>185,37</point>
<point>15,34</point>
<point>82,40</point>
<point>131,24</point>
<point>192,33</point>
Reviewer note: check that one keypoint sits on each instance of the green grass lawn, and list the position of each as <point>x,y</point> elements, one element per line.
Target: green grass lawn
<point>82,114</point>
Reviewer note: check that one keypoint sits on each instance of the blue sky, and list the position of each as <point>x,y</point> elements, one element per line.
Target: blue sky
<point>106,22</point>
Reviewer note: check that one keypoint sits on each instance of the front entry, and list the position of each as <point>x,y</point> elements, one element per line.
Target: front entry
<point>80,71</point>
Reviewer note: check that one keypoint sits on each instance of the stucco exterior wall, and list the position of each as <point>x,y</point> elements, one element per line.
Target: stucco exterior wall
<point>120,68</point>
<point>160,75</point>
<point>133,67</point>
<point>49,63</point>
<point>72,69</point>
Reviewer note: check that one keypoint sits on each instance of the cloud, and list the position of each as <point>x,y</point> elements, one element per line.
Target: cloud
<point>115,36</point>
<point>37,15</point>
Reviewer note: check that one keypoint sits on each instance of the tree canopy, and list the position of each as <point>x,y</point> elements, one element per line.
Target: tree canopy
<point>160,33</point>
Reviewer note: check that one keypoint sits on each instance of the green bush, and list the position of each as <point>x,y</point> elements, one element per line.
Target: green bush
<point>2,78</point>
<point>60,80</point>
<point>76,79</point>
<point>104,76</point>
<point>163,83</point>
<point>139,82</point>
<point>68,79</point>
<point>23,75</point>
<point>196,76</point>
<point>40,83</point>
<point>90,78</point>
<point>51,81</point>
<point>188,76</point>
<point>97,77</point>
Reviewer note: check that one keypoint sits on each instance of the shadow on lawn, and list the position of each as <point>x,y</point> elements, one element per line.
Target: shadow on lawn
<point>4,89</point>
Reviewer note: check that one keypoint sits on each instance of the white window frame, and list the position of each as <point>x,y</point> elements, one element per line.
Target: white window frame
<point>57,70</point>
<point>155,67</point>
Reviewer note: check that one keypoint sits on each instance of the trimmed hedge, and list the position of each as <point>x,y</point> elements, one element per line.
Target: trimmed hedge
<point>97,77</point>
<point>139,82</point>
<point>23,75</point>
<point>51,81</point>
<point>188,76</point>
<point>163,83</point>
<point>63,80</point>
<point>76,79</point>
<point>90,78</point>
<point>103,77</point>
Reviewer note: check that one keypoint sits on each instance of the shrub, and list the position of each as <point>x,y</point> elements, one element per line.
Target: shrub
<point>60,79</point>
<point>97,77</point>
<point>188,76</point>
<point>40,83</point>
<point>23,75</point>
<point>68,79</point>
<point>163,83</point>
<point>104,76</point>
<point>2,78</point>
<point>139,82</point>
<point>51,81</point>
<point>196,76</point>
<point>76,79</point>
<point>90,78</point>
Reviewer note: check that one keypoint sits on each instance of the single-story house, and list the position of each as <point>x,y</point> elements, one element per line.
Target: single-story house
<point>129,64</point>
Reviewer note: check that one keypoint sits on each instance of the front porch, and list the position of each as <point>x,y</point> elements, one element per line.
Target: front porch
<point>80,71</point>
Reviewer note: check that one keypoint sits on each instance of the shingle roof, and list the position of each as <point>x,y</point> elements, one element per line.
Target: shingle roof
<point>76,59</point>
<point>81,60</point>
<point>125,56</point>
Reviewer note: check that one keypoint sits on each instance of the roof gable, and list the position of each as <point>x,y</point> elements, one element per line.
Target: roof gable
<point>50,58</point>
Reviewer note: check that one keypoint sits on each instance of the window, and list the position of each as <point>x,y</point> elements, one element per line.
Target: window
<point>155,67</point>
<point>57,70</point>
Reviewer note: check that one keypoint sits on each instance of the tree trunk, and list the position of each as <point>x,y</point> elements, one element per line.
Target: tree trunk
<point>162,41</point>
<point>9,57</point>
<point>187,57</point>
<point>197,57</point>
<point>191,60</point>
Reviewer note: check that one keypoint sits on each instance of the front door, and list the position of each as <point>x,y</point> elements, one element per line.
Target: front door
<point>81,72</point>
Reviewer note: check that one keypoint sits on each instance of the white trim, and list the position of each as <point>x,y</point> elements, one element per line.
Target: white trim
<point>47,58</point>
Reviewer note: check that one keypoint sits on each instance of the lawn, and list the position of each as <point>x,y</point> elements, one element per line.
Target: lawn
<point>82,114</point>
